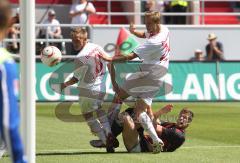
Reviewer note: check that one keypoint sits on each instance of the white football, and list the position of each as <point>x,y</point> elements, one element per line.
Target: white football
<point>51,56</point>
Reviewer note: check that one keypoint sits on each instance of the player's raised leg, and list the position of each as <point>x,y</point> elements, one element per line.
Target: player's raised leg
<point>147,123</point>
<point>130,135</point>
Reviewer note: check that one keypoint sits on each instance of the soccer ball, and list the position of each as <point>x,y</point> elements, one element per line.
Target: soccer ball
<point>51,56</point>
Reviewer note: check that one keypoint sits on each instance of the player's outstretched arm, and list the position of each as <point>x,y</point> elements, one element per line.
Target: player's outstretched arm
<point>122,58</point>
<point>140,34</point>
<point>72,81</point>
<point>166,109</point>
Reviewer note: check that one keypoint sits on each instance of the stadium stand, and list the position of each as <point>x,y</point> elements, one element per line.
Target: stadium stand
<point>219,7</point>
<point>101,6</point>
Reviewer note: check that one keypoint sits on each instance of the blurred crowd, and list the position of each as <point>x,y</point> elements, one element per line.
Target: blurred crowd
<point>175,6</point>
<point>79,14</point>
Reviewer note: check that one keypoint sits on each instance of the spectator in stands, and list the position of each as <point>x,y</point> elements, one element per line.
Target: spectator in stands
<point>179,6</point>
<point>79,13</point>
<point>154,5</point>
<point>54,30</point>
<point>80,10</point>
<point>214,49</point>
<point>198,56</point>
<point>150,5</point>
<point>167,9</point>
<point>14,33</point>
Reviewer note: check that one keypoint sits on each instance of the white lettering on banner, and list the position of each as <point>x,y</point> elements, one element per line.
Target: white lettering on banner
<point>36,92</point>
<point>192,87</point>
<point>209,90</point>
<point>222,87</point>
<point>231,86</point>
<point>210,84</point>
<point>43,88</point>
<point>170,96</point>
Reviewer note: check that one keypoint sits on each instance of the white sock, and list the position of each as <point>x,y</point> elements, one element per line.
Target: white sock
<point>146,123</point>
<point>113,112</point>
<point>96,128</point>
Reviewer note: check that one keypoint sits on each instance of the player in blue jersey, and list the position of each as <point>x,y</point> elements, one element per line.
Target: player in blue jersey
<point>9,113</point>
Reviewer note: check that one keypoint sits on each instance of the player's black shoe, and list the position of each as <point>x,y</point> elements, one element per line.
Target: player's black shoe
<point>97,144</point>
<point>112,143</point>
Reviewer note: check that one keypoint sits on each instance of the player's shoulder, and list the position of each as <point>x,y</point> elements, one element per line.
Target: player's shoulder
<point>5,54</point>
<point>6,60</point>
<point>92,45</point>
<point>164,28</point>
<point>55,21</point>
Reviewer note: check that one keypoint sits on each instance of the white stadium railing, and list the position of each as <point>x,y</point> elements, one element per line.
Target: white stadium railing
<point>196,13</point>
<point>196,3</point>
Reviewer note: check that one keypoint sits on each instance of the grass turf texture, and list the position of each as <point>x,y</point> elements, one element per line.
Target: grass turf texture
<point>212,137</point>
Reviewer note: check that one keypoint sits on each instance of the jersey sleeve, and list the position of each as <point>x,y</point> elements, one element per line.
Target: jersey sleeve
<point>91,6</point>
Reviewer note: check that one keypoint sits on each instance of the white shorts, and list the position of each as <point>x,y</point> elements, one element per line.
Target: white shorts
<point>140,86</point>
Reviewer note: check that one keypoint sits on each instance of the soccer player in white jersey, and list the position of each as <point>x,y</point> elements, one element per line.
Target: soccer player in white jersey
<point>89,73</point>
<point>155,56</point>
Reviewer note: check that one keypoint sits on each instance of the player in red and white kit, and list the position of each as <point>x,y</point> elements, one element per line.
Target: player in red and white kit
<point>90,69</point>
<point>145,83</point>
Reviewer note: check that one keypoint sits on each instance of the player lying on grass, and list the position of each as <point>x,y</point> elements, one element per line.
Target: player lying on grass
<point>134,138</point>
<point>155,55</point>
<point>89,74</point>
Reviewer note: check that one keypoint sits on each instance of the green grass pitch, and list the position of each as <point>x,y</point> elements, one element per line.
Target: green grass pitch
<point>214,137</point>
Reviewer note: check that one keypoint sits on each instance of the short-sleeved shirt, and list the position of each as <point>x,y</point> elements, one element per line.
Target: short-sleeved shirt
<point>215,56</point>
<point>52,29</point>
<point>156,49</point>
<point>80,19</point>
<point>93,65</point>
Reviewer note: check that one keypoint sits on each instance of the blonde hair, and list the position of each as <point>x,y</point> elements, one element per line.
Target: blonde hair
<point>79,31</point>
<point>154,16</point>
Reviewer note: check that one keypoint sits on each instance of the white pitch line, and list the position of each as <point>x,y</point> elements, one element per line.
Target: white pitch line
<point>123,149</point>
<point>217,146</point>
<point>75,150</point>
